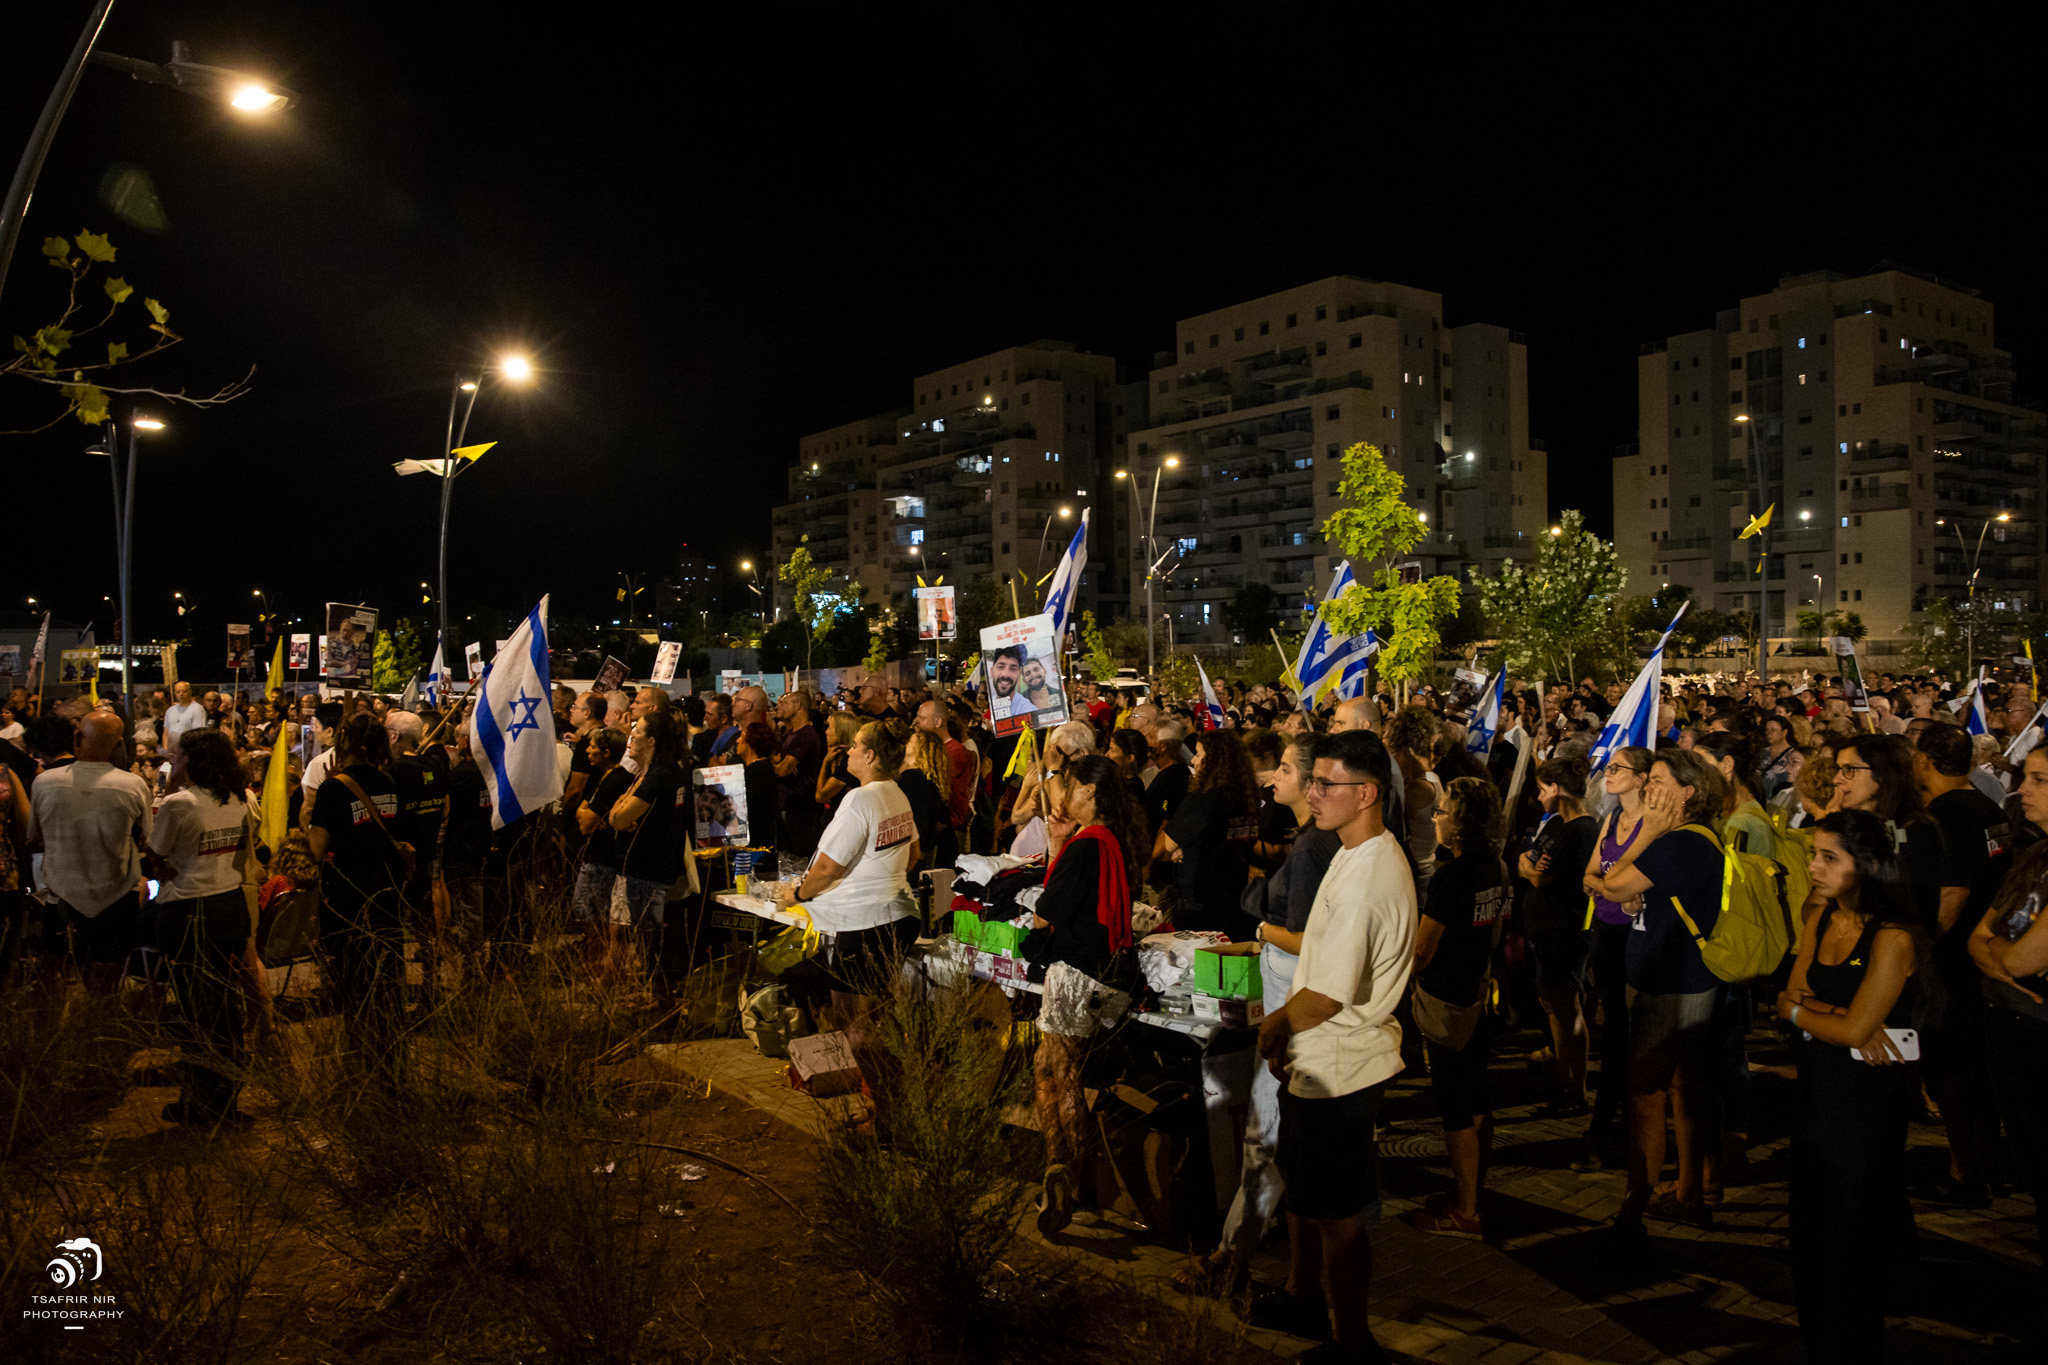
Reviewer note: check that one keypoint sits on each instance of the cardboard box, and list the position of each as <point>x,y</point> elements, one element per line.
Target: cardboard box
<point>1215,1009</point>
<point>967,926</point>
<point>823,1064</point>
<point>1230,975</point>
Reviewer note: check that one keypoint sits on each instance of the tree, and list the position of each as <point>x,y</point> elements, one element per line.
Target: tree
<point>54,356</point>
<point>395,657</point>
<point>1549,614</point>
<point>1249,613</point>
<point>1095,648</point>
<point>978,605</point>
<point>1376,528</point>
<point>1849,624</point>
<point>816,607</point>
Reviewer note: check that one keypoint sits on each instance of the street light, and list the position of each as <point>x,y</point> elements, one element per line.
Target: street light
<point>124,519</point>
<point>457,457</point>
<point>238,89</point>
<point>1045,536</point>
<point>1974,556</point>
<point>1151,547</point>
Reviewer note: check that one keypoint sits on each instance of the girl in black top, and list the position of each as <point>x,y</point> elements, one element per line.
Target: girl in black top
<point>362,870</point>
<point>608,781</point>
<point>1554,922</point>
<point>1079,945</point>
<point>1454,941</point>
<point>835,779</point>
<point>926,782</point>
<point>1875,774</point>
<point>651,821</point>
<point>1209,837</point>
<point>1858,973</point>
<point>764,791</point>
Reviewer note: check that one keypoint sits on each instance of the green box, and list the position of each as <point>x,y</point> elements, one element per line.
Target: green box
<point>1231,976</point>
<point>1000,937</point>
<point>967,927</point>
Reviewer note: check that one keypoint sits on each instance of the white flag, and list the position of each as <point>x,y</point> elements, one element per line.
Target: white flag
<point>42,642</point>
<point>512,730</point>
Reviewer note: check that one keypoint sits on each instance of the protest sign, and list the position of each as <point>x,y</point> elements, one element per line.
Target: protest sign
<point>296,652</point>
<point>169,658</point>
<point>1852,674</point>
<point>1023,675</point>
<point>473,659</point>
<point>729,681</point>
<point>238,648</point>
<point>78,666</point>
<point>320,652</point>
<point>351,637</point>
<point>1466,685</point>
<point>666,657</point>
<point>722,805</point>
<point>10,661</point>
<point>611,677</point>
<point>937,618</point>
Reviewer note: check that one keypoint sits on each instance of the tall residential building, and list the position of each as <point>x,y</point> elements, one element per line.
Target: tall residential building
<point>1877,413</point>
<point>968,479</point>
<point>1245,419</point>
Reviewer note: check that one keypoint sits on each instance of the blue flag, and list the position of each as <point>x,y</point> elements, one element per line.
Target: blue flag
<point>512,731</point>
<point>1351,673</point>
<point>1634,722</point>
<point>1066,580</point>
<point>1479,738</point>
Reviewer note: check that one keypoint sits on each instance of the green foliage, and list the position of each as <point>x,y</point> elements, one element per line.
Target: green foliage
<point>1177,682</point>
<point>79,380</point>
<point>877,657</point>
<point>813,605</point>
<point>1095,648</point>
<point>1248,613</point>
<point>396,657</point>
<point>1262,664</point>
<point>1848,623</point>
<point>1375,528</point>
<point>1126,641</point>
<point>1549,614</point>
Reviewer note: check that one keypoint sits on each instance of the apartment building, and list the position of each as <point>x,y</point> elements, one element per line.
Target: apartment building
<point>1244,419</point>
<point>983,472</point>
<point>1877,413</point>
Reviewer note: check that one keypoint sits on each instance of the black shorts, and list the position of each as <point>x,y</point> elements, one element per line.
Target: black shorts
<point>1457,1081</point>
<point>1326,1153</point>
<point>106,938</point>
<point>1560,959</point>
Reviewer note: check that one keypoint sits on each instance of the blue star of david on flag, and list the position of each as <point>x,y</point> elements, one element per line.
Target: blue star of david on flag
<point>510,701</point>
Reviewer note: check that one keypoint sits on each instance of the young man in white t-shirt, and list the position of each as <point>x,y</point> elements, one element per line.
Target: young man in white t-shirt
<point>1336,1045</point>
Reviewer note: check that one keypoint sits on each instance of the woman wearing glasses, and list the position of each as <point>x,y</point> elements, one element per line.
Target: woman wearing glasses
<point>1623,781</point>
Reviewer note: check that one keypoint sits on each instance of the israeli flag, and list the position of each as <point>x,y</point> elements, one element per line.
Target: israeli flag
<point>1976,721</point>
<point>512,730</point>
<point>1066,580</point>
<point>1212,707</point>
<point>1634,721</point>
<point>1356,665</point>
<point>437,674</point>
<point>1323,650</point>
<point>1485,725</point>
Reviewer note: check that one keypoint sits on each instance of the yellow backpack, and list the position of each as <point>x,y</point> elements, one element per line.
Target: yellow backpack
<point>1754,930</point>
<point>1795,853</point>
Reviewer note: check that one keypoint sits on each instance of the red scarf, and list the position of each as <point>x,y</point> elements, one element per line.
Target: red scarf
<point>1112,885</point>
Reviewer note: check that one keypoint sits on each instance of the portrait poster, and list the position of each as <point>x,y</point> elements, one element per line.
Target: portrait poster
<point>78,666</point>
<point>10,661</point>
<point>1853,689</point>
<point>611,677</point>
<point>721,794</point>
<point>238,648</point>
<point>473,659</point>
<point>1466,685</point>
<point>666,656</point>
<point>729,681</point>
<point>1022,659</point>
<point>937,618</point>
<point>169,658</point>
<point>351,640</point>
<point>320,652</point>
<point>296,651</point>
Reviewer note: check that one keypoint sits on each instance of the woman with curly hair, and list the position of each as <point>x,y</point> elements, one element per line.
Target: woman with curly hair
<point>199,845</point>
<point>1454,942</point>
<point>926,781</point>
<point>1080,946</point>
<point>1860,972</point>
<point>1209,838</point>
<point>1413,737</point>
<point>1783,755</point>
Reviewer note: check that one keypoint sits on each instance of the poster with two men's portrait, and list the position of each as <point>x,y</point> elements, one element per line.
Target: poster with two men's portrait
<point>1021,662</point>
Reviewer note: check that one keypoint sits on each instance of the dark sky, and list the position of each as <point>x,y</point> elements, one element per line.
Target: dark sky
<point>717,236</point>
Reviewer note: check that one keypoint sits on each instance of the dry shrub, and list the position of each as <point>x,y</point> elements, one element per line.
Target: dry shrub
<point>59,1070</point>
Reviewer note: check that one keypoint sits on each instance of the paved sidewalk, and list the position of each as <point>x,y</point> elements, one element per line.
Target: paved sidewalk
<point>1545,1285</point>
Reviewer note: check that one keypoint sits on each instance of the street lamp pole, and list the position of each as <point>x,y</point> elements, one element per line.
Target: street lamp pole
<point>1976,555</point>
<point>1045,536</point>
<point>1763,557</point>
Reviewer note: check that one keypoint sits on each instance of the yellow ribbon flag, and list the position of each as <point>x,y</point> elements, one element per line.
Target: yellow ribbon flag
<point>471,452</point>
<point>1024,755</point>
<point>1757,524</point>
<point>275,823</point>
<point>2033,674</point>
<point>276,678</point>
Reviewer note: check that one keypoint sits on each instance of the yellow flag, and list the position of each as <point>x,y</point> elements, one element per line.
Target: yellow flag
<point>1024,755</point>
<point>471,452</point>
<point>276,787</point>
<point>2033,674</point>
<point>921,583</point>
<point>1756,526</point>
<point>276,678</point>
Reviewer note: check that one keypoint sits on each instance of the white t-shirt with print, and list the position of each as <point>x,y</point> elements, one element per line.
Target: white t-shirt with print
<point>870,835</point>
<point>199,836</point>
<point>1358,949</point>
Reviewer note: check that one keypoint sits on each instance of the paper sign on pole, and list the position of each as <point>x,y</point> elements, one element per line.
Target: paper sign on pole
<point>169,658</point>
<point>937,618</point>
<point>1022,659</point>
<point>238,648</point>
<point>351,640</point>
<point>1853,689</point>
<point>721,795</point>
<point>666,657</point>
<point>320,648</point>
<point>473,659</point>
<point>729,681</point>
<point>296,652</point>
<point>611,677</point>
<point>80,666</point>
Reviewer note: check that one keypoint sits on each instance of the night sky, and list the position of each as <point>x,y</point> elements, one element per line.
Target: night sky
<point>715,235</point>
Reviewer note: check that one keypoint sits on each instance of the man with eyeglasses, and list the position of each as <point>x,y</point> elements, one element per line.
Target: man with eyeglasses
<point>1336,1045</point>
<point>1363,714</point>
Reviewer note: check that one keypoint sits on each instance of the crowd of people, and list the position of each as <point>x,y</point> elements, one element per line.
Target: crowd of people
<point>1406,898</point>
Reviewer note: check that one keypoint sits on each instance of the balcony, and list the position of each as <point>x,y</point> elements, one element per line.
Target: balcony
<point>1882,457</point>
<point>1281,372</point>
<point>1287,438</point>
<point>1882,497</point>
